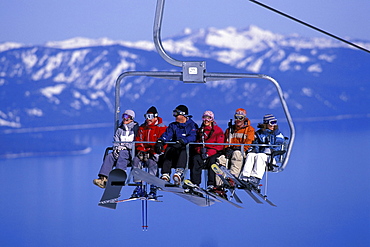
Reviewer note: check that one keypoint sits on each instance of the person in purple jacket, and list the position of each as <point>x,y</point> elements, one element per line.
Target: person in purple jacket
<point>182,131</point>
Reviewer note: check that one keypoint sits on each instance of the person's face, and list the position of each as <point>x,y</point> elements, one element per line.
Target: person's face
<point>271,124</point>
<point>239,120</point>
<point>180,119</point>
<point>150,118</point>
<point>207,120</point>
<point>126,119</point>
<point>151,121</point>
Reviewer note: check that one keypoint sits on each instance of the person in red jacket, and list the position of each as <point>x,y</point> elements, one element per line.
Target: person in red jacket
<point>206,154</point>
<point>149,131</point>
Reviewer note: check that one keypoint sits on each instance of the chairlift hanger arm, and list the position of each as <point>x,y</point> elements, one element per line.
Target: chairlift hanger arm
<point>157,35</point>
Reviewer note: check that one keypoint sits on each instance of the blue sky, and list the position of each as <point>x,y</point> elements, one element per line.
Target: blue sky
<point>39,21</point>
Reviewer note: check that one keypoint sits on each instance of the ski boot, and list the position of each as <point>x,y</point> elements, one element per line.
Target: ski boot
<point>153,193</point>
<point>178,176</point>
<point>231,183</point>
<point>101,182</point>
<point>253,183</point>
<point>165,177</point>
<point>220,191</point>
<point>138,191</point>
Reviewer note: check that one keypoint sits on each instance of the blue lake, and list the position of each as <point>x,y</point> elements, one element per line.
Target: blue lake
<point>322,198</point>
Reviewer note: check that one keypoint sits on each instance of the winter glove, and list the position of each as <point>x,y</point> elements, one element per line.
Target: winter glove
<point>203,153</point>
<point>228,152</point>
<point>179,143</point>
<point>146,157</point>
<point>155,157</point>
<point>116,153</point>
<point>120,147</point>
<point>143,156</point>
<point>158,147</point>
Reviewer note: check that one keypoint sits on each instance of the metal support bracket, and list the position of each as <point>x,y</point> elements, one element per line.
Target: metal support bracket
<point>193,72</point>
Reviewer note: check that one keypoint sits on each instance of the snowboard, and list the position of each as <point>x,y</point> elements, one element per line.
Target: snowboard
<point>116,180</point>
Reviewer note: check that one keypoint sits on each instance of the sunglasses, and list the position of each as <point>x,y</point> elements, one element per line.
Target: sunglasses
<point>239,117</point>
<point>177,112</point>
<point>149,116</point>
<point>207,118</point>
<point>126,117</point>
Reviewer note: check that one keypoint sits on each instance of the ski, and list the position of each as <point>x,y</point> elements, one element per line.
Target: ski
<point>263,197</point>
<point>214,195</point>
<point>199,190</point>
<point>240,184</point>
<point>138,198</point>
<point>168,187</point>
<point>247,187</point>
<point>115,200</point>
<point>221,175</point>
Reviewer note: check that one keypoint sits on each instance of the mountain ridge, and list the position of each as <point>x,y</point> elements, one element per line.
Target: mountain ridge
<point>74,79</point>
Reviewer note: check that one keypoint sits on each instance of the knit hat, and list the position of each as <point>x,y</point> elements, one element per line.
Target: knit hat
<point>183,110</point>
<point>129,112</point>
<point>209,114</point>
<point>241,112</point>
<point>153,110</point>
<point>268,117</point>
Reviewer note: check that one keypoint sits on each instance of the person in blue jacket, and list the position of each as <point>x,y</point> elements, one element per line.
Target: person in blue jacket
<point>258,157</point>
<point>182,131</point>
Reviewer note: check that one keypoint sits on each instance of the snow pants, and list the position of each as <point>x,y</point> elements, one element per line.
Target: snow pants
<point>150,163</point>
<point>236,163</point>
<point>198,165</point>
<point>109,162</point>
<point>255,165</point>
<point>174,158</point>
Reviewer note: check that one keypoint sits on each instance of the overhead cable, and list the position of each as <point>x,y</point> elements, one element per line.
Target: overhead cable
<point>309,25</point>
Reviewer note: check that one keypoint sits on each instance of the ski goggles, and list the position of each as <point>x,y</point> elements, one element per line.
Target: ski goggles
<point>272,122</point>
<point>150,116</point>
<point>207,118</point>
<point>177,112</point>
<point>126,117</point>
<point>239,117</point>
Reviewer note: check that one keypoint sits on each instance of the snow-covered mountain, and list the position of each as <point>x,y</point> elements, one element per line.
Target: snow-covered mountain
<point>72,82</point>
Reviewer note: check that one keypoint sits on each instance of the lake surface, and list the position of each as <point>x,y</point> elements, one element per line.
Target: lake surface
<point>322,198</point>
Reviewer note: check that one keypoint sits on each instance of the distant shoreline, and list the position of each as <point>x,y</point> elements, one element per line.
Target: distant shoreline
<point>45,153</point>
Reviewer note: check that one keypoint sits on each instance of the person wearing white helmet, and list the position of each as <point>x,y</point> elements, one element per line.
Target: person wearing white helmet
<point>121,155</point>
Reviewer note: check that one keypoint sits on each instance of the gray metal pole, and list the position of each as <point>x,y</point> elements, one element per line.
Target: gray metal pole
<point>157,35</point>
